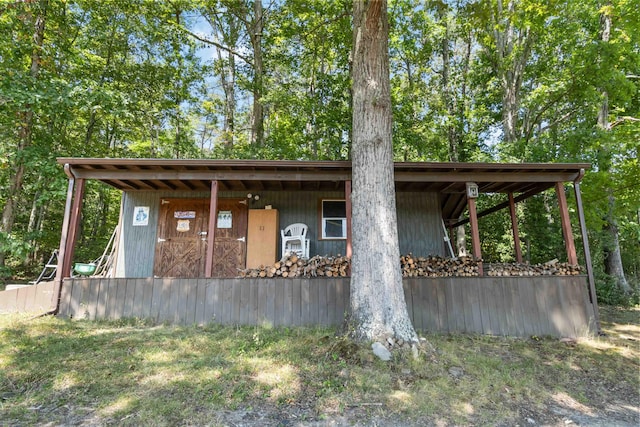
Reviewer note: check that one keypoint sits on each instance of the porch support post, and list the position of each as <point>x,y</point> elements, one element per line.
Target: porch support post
<point>566,225</point>
<point>514,228</point>
<point>62,249</point>
<point>347,198</point>
<point>472,194</point>
<point>587,256</point>
<point>211,232</point>
<point>74,225</point>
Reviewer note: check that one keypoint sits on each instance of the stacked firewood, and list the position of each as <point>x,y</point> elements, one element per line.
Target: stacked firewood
<point>551,268</point>
<point>294,266</point>
<point>431,266</point>
<point>436,266</point>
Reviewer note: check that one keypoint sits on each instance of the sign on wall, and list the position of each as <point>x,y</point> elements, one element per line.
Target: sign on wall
<point>225,219</point>
<point>184,214</point>
<point>183,225</point>
<point>141,216</point>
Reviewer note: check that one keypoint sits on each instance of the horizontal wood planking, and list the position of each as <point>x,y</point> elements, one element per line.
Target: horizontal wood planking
<point>555,306</point>
<point>29,299</point>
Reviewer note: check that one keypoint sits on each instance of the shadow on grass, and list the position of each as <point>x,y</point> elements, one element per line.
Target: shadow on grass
<point>130,372</point>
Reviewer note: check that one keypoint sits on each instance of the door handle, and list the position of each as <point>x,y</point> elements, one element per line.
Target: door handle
<point>202,233</point>
<point>242,239</point>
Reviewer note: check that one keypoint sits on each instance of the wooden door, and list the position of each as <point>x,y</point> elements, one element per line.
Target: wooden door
<point>182,234</point>
<point>230,238</point>
<point>262,237</point>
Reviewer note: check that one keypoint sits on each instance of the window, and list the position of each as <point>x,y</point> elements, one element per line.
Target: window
<point>334,219</point>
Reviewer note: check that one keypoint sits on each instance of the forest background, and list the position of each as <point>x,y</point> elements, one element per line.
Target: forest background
<point>472,81</point>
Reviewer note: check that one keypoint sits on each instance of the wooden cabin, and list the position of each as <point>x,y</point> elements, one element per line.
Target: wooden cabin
<point>188,226</point>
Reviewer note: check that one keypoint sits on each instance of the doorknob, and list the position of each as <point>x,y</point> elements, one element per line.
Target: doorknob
<point>242,239</point>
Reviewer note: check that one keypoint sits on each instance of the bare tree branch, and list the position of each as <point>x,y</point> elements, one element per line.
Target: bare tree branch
<point>622,120</point>
<point>214,43</point>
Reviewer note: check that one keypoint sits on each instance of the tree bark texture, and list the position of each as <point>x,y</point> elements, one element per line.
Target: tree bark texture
<point>612,255</point>
<point>378,307</point>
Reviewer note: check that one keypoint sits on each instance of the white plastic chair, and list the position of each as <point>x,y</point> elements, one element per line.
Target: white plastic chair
<point>294,240</point>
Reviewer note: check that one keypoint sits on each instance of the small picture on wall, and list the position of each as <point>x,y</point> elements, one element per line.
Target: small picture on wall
<point>141,216</point>
<point>183,225</point>
<point>225,219</point>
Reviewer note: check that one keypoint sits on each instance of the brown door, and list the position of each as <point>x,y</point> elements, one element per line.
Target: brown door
<point>182,235</point>
<point>230,238</point>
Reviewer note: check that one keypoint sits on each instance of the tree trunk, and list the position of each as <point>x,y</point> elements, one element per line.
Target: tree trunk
<point>229,32</point>
<point>227,77</point>
<point>255,34</point>
<point>378,307</point>
<point>25,130</point>
<point>513,48</point>
<point>612,258</point>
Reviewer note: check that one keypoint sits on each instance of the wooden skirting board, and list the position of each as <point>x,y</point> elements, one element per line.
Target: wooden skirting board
<point>28,299</point>
<point>507,306</point>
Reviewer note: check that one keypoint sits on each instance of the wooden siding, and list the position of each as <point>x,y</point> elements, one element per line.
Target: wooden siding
<point>419,226</point>
<point>555,306</point>
<point>29,299</point>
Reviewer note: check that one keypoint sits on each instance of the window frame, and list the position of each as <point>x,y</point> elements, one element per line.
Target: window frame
<point>322,219</point>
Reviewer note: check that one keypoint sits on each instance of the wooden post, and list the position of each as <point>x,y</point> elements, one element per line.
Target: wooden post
<point>62,250</point>
<point>347,198</point>
<point>566,225</point>
<point>472,194</point>
<point>514,228</point>
<point>587,256</point>
<point>74,226</point>
<point>211,232</point>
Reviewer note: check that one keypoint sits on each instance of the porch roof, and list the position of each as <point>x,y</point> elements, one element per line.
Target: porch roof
<point>447,179</point>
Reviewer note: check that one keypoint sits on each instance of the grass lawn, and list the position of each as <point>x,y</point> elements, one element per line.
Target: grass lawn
<point>62,372</point>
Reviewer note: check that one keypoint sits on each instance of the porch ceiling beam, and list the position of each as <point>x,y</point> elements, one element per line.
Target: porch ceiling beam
<point>400,176</point>
<point>144,185</point>
<point>484,177</point>
<point>166,175</point>
<point>500,206</point>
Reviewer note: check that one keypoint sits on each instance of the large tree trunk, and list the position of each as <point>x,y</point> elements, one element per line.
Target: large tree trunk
<point>612,258</point>
<point>378,307</point>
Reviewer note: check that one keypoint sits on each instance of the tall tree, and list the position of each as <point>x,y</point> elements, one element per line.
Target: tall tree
<point>378,307</point>
<point>34,18</point>
<point>612,256</point>
<point>251,16</point>
<point>308,83</point>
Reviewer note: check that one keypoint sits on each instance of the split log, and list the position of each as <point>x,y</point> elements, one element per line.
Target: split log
<point>551,268</point>
<point>436,266</point>
<point>412,266</point>
<point>294,266</point>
